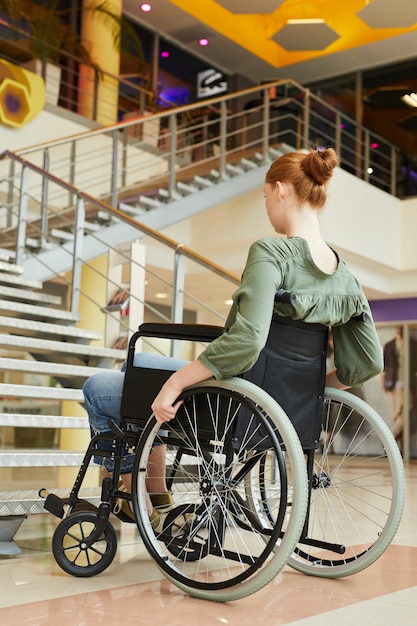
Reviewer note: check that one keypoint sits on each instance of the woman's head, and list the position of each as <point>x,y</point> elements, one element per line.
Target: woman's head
<point>307,173</point>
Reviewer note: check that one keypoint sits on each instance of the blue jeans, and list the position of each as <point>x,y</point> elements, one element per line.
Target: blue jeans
<point>102,397</point>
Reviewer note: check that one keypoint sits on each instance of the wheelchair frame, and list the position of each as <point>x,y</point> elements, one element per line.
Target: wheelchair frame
<point>242,510</point>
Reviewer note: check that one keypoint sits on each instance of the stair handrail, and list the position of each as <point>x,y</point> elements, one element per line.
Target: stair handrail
<point>180,250</point>
<point>312,114</point>
<point>209,103</point>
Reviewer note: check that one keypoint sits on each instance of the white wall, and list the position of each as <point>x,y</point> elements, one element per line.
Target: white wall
<point>374,232</point>
<point>43,128</point>
<point>364,220</point>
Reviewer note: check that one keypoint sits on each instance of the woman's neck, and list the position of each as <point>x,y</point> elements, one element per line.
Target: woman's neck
<point>305,225</point>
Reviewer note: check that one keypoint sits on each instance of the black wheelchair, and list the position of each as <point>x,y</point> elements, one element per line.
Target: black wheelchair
<point>265,470</point>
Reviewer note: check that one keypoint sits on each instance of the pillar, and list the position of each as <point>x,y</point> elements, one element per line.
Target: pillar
<point>98,40</point>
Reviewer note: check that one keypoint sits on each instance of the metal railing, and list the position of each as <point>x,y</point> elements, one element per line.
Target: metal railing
<point>214,132</point>
<point>179,298</point>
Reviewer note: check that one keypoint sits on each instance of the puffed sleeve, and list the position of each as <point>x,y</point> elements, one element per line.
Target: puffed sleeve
<point>357,350</point>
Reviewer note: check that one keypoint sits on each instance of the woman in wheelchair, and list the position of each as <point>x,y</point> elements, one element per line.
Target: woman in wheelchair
<point>299,261</point>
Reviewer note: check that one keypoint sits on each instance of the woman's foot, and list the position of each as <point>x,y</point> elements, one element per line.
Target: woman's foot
<point>155,520</point>
<point>123,509</point>
<point>162,501</point>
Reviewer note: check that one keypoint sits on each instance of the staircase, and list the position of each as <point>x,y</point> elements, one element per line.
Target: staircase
<point>41,340</point>
<point>204,154</point>
<point>154,205</point>
<point>155,194</point>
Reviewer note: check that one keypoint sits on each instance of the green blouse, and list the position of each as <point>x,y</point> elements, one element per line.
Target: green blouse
<point>329,299</point>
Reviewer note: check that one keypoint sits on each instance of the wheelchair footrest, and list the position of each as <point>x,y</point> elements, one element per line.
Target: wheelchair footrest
<point>54,504</point>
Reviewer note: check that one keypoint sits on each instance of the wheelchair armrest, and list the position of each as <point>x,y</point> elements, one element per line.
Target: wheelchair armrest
<point>190,332</point>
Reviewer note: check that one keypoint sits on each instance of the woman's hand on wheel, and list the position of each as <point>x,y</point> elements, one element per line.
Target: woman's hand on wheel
<point>165,405</point>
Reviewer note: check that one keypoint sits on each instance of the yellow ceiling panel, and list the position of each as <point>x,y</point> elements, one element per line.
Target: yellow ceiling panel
<point>254,31</point>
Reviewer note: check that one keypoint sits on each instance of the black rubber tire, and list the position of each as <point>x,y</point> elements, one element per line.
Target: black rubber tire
<point>71,552</point>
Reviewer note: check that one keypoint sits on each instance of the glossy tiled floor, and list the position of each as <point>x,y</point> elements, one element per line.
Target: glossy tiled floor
<point>34,591</point>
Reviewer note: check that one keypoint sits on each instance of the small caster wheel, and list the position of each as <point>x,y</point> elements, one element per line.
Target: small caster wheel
<point>72,550</point>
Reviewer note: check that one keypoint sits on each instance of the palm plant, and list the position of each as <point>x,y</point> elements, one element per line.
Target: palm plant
<point>51,31</point>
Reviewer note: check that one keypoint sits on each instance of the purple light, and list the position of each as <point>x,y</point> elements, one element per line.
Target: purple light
<point>374,145</point>
<point>165,54</point>
<point>203,42</point>
<point>146,7</point>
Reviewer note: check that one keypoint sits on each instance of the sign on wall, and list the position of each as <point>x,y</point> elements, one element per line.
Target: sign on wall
<point>210,83</point>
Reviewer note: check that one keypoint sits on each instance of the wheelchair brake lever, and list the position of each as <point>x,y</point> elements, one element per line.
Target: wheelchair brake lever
<point>115,428</point>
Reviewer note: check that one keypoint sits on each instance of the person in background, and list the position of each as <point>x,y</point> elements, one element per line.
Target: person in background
<point>393,382</point>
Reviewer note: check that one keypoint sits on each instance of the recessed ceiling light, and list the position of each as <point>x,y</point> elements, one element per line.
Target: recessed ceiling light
<point>306,21</point>
<point>146,7</point>
<point>161,295</point>
<point>410,99</point>
<point>203,41</point>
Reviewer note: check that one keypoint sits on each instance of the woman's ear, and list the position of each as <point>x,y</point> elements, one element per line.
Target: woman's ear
<point>281,189</point>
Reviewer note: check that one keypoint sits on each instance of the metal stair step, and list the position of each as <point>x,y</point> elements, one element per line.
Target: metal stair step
<point>248,164</point>
<point>39,392</point>
<point>47,368</point>
<point>28,296</point>
<point>24,457</point>
<point>89,354</point>
<point>275,152</point>
<point>29,502</point>
<point>234,170</point>
<point>40,329</point>
<point>61,235</point>
<point>20,309</point>
<point>202,182</point>
<point>185,188</point>
<point>131,210</point>
<point>29,420</point>
<point>148,202</point>
<point>10,267</point>
<point>91,227</point>
<point>9,279</point>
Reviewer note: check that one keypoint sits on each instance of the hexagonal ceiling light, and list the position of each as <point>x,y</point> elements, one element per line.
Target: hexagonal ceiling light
<point>305,34</point>
<point>250,6</point>
<point>383,14</point>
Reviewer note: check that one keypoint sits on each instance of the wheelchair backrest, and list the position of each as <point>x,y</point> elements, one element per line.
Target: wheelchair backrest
<point>292,369</point>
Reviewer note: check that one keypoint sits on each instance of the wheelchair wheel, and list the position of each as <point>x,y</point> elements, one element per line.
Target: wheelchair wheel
<point>71,547</point>
<point>211,544</point>
<point>357,494</point>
